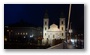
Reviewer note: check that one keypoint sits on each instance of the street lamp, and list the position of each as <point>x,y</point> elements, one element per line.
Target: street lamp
<point>70,31</point>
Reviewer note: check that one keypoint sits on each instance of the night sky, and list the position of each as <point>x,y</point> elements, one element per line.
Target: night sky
<point>34,14</point>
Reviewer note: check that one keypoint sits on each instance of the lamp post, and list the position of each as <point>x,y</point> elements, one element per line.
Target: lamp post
<point>70,31</point>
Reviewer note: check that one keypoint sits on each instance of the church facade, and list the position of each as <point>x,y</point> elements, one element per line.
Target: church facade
<point>49,34</point>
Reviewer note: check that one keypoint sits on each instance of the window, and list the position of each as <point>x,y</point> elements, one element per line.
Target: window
<point>45,28</point>
<point>45,34</point>
<point>23,33</point>
<point>7,30</point>
<point>62,22</point>
<point>26,33</point>
<point>62,28</point>
<point>45,23</point>
<point>62,34</point>
<point>53,36</point>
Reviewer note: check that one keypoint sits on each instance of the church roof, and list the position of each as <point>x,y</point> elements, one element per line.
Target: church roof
<point>54,27</point>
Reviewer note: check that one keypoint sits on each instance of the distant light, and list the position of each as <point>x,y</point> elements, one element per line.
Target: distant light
<point>72,40</point>
<point>18,33</point>
<point>31,36</point>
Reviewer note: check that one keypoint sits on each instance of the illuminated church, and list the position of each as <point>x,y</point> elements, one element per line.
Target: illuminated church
<point>53,32</point>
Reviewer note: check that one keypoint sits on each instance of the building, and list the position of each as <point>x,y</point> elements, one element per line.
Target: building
<point>49,34</point>
<point>22,32</point>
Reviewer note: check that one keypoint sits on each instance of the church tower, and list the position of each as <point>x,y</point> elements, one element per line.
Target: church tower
<point>62,26</point>
<point>45,28</point>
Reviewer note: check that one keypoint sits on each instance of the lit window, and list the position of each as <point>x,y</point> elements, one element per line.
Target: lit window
<point>5,39</point>
<point>24,37</point>
<point>26,33</point>
<point>7,30</point>
<point>23,33</point>
<point>18,33</point>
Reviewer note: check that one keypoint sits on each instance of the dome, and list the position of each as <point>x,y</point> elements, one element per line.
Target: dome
<point>53,27</point>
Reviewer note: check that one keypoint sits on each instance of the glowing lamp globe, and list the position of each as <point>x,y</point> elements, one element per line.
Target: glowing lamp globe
<point>70,31</point>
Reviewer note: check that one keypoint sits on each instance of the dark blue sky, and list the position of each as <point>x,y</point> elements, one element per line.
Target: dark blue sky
<point>34,14</point>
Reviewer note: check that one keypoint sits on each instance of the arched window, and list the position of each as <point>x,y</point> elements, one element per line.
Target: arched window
<point>62,34</point>
<point>45,28</point>
<point>62,28</point>
<point>45,34</point>
<point>53,36</point>
<point>62,22</point>
<point>48,36</point>
<point>45,22</point>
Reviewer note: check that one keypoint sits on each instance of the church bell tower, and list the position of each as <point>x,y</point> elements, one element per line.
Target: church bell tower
<point>62,26</point>
<point>45,28</point>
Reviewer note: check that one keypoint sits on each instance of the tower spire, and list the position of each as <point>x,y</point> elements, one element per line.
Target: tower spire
<point>46,14</point>
<point>62,15</point>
